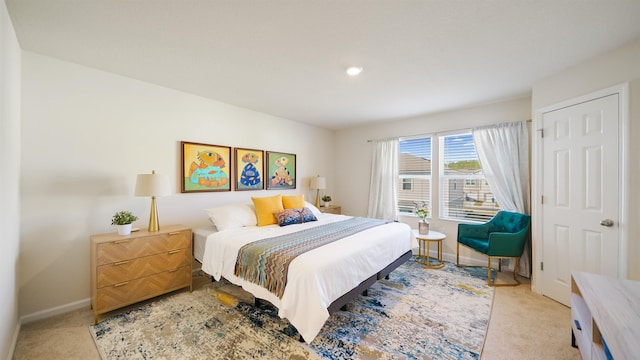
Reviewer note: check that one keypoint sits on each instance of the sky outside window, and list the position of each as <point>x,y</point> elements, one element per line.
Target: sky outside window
<point>417,147</point>
<point>458,148</point>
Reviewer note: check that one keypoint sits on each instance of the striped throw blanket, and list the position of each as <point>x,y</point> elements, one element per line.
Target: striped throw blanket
<point>266,262</point>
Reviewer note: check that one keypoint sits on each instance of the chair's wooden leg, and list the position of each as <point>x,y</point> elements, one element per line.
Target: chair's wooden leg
<point>457,253</point>
<point>500,264</point>
<point>489,272</point>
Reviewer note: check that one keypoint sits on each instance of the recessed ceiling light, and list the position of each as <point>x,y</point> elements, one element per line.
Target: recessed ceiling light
<point>354,70</point>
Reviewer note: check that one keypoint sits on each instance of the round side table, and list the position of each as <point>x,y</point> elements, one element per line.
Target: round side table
<point>424,242</point>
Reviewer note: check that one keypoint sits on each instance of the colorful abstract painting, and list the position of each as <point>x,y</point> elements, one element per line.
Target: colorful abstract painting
<point>205,167</point>
<point>281,171</point>
<point>249,169</point>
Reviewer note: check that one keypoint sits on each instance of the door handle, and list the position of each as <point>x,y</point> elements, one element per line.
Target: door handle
<point>606,222</point>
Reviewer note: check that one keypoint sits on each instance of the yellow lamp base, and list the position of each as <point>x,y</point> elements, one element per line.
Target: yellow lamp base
<point>154,225</point>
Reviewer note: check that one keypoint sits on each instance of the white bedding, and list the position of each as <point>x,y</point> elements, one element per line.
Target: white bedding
<point>315,278</point>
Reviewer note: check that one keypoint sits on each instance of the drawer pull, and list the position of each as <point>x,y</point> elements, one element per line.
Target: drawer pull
<point>121,284</point>
<point>174,233</point>
<point>121,263</point>
<point>120,241</point>
<point>174,252</point>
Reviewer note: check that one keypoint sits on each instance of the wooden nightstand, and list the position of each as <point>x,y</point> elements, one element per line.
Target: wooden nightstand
<point>332,209</point>
<point>131,268</point>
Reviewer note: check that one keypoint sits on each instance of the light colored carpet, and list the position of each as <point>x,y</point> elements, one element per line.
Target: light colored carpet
<point>416,314</point>
<point>525,325</point>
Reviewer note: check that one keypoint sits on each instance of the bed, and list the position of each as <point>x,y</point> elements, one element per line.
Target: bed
<point>319,281</point>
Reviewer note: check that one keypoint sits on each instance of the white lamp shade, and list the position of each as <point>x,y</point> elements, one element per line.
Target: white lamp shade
<point>318,183</point>
<point>152,185</point>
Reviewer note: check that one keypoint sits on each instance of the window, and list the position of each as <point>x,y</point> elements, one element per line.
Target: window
<point>406,184</point>
<point>414,168</point>
<point>464,192</point>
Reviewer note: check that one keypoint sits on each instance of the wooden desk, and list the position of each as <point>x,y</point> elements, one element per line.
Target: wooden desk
<point>604,310</point>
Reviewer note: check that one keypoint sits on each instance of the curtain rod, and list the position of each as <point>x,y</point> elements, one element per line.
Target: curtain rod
<point>399,137</point>
<point>418,135</point>
<point>388,138</point>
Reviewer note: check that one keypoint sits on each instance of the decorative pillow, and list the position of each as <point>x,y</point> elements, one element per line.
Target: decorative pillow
<point>295,216</point>
<point>266,207</point>
<point>293,202</point>
<point>313,209</point>
<point>232,216</point>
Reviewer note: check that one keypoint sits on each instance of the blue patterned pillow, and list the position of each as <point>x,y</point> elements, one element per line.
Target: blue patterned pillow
<point>295,216</point>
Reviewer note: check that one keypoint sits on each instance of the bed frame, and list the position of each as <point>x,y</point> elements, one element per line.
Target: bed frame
<point>341,302</point>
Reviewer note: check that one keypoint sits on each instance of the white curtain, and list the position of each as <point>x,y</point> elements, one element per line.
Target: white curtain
<point>503,151</point>
<point>383,190</point>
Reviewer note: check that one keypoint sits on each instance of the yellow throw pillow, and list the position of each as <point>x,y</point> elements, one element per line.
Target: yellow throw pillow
<point>266,207</point>
<point>293,202</point>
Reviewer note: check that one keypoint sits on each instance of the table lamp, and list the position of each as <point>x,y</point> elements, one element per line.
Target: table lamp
<point>318,183</point>
<point>152,185</point>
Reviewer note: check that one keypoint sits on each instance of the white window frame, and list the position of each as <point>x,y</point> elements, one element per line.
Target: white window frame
<point>443,209</point>
<point>402,178</point>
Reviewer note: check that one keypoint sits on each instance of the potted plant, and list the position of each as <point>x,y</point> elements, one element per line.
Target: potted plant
<point>327,200</point>
<point>122,220</point>
<point>422,211</point>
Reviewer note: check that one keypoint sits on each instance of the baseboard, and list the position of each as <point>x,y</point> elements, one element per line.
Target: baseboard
<point>464,260</point>
<point>452,258</point>
<point>508,266</point>
<point>14,341</point>
<point>62,309</point>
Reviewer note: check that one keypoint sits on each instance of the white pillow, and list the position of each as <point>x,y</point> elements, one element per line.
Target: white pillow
<point>232,216</point>
<point>313,209</point>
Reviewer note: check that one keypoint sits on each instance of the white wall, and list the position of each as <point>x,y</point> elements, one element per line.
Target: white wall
<point>85,136</point>
<point>9,181</point>
<point>353,160</point>
<point>612,68</point>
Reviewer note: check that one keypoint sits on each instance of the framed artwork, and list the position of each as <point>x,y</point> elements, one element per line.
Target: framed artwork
<point>280,171</point>
<point>205,167</point>
<point>248,169</point>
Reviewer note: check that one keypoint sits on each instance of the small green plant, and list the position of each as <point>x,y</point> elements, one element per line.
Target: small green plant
<point>326,198</point>
<point>123,218</point>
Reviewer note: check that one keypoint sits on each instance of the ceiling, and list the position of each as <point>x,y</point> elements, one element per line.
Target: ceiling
<point>288,58</point>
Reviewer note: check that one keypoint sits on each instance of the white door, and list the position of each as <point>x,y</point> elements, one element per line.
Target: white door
<point>581,195</point>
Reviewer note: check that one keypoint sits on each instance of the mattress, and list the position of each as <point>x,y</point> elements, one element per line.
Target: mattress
<point>200,239</point>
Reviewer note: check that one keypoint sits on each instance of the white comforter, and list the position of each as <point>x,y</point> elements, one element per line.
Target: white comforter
<point>315,278</point>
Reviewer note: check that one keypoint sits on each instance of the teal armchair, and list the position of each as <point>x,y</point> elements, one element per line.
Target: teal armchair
<point>504,236</point>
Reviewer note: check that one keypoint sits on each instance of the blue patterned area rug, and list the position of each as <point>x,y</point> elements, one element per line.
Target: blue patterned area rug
<point>416,314</point>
